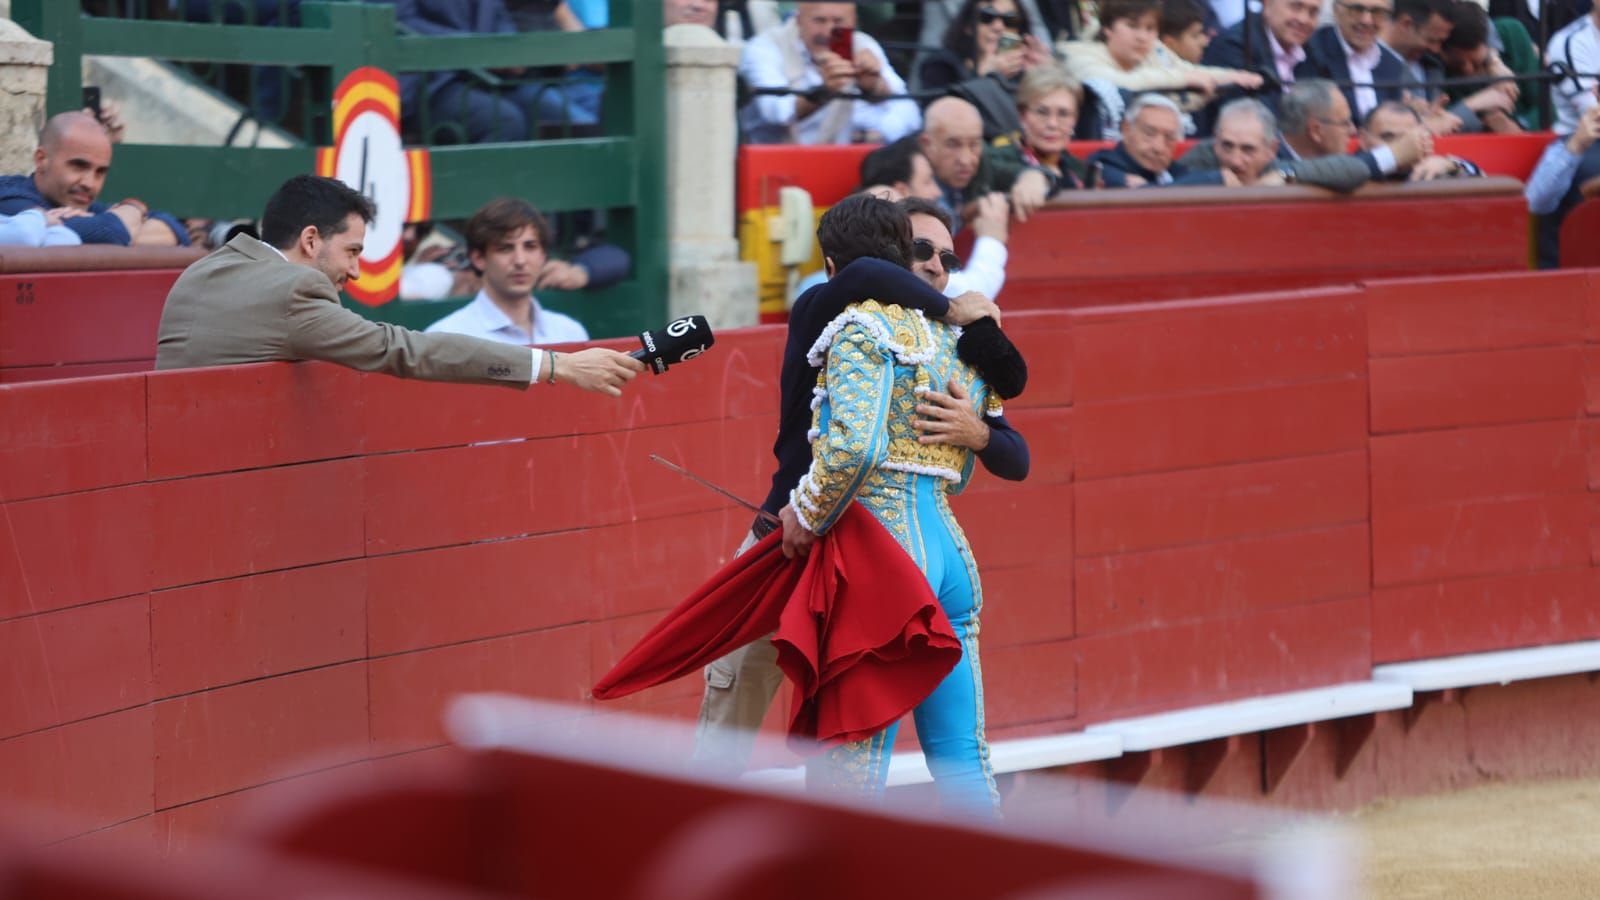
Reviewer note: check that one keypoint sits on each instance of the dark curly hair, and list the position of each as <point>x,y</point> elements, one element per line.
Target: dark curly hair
<point>863,225</point>
<point>961,37</point>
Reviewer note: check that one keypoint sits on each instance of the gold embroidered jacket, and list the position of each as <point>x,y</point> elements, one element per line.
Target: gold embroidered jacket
<point>879,360</point>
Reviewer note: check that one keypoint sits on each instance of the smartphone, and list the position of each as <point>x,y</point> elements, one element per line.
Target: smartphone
<point>1008,41</point>
<point>91,99</point>
<point>843,43</point>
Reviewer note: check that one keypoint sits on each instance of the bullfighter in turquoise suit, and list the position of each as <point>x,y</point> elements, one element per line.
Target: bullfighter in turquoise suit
<point>876,361</point>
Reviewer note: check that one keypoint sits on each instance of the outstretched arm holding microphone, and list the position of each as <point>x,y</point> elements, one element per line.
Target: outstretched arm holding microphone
<point>277,299</point>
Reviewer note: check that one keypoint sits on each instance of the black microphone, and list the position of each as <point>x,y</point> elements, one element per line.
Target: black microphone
<point>682,340</point>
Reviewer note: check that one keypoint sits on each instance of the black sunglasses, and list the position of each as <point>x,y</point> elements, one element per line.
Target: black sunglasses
<point>988,15</point>
<point>922,249</point>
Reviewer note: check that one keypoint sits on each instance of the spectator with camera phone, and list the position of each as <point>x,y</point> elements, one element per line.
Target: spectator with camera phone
<point>834,83</point>
<point>987,38</point>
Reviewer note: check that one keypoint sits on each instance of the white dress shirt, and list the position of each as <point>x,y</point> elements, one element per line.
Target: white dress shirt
<point>984,270</point>
<point>1578,47</point>
<point>1361,66</point>
<point>1284,60</point>
<point>483,319</point>
<point>768,119</point>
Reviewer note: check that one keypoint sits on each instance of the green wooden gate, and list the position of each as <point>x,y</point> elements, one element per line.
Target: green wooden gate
<point>623,171</point>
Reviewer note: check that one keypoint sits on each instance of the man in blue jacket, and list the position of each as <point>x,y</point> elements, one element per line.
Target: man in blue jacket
<point>70,168</point>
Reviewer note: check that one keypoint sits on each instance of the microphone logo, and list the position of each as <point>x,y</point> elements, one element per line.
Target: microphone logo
<point>681,340</point>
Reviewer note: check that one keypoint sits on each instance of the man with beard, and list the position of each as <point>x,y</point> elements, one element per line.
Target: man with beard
<point>277,299</point>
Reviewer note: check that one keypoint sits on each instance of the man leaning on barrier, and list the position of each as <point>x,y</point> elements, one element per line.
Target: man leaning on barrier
<point>799,55</point>
<point>1315,129</point>
<point>1392,122</point>
<point>277,299</point>
<point>70,168</point>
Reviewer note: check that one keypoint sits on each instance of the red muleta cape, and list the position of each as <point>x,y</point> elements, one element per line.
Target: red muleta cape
<point>859,633</point>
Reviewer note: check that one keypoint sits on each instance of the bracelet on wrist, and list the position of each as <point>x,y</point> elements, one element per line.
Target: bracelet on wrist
<point>552,378</point>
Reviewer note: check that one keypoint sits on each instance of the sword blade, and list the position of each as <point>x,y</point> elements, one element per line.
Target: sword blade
<point>719,489</point>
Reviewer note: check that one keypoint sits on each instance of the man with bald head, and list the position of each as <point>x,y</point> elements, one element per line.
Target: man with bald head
<point>800,56</point>
<point>952,140</point>
<point>69,170</point>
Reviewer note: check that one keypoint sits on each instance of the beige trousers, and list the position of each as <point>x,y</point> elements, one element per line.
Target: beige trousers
<point>739,689</point>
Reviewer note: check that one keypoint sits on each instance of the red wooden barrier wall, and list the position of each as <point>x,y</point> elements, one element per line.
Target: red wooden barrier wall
<point>1480,487</point>
<point>71,312</point>
<point>828,173</point>
<point>212,580</point>
<point>1093,248</point>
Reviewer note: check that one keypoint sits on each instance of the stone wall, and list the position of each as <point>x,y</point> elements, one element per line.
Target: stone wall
<point>24,65</point>
<point>707,276</point>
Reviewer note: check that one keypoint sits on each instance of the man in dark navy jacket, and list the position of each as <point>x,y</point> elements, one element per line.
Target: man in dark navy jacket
<point>1276,48</point>
<point>1349,51</point>
<point>865,262</point>
<point>1151,128</point>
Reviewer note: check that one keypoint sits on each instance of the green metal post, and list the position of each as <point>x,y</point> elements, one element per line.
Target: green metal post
<point>61,24</point>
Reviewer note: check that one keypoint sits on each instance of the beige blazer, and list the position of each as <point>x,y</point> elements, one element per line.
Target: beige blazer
<point>246,304</point>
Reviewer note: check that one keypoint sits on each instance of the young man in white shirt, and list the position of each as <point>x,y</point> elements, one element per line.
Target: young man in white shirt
<point>1577,47</point>
<point>508,242</point>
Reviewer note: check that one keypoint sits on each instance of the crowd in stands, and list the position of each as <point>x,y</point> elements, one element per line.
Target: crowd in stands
<point>1334,94</point>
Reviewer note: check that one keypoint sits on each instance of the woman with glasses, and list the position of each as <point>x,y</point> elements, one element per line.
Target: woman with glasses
<point>1047,104</point>
<point>986,38</point>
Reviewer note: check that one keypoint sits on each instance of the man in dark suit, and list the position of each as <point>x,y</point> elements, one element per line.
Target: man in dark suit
<point>1417,32</point>
<point>1349,51</point>
<point>1316,130</point>
<point>1271,44</point>
<point>1394,121</point>
<point>278,299</point>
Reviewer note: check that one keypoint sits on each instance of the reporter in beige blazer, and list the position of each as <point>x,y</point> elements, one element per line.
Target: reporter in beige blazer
<point>277,299</point>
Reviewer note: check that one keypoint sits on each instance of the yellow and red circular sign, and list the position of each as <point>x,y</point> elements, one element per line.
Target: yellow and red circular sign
<point>367,154</point>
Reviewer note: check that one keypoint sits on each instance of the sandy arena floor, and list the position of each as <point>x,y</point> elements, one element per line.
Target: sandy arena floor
<point>1498,841</point>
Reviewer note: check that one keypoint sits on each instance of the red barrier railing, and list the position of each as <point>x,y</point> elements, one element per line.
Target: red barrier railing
<point>828,173</point>
<point>214,579</point>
